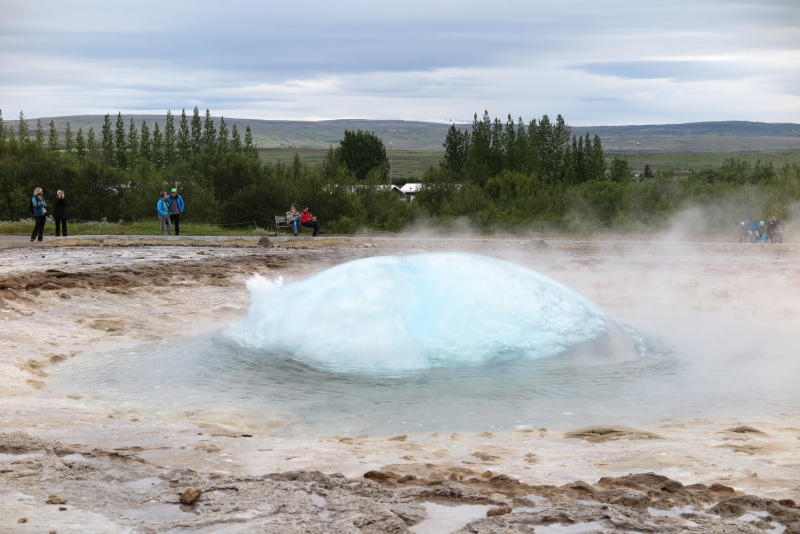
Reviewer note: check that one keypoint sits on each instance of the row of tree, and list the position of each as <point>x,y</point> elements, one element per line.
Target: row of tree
<point>540,148</point>
<point>520,178</point>
<point>120,146</point>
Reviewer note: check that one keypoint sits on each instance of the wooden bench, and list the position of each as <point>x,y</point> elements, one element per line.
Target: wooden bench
<point>281,222</point>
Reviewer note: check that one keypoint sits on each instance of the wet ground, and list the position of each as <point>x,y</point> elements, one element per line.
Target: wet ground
<point>122,470</point>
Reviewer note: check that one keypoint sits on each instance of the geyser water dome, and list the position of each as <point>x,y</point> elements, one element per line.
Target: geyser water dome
<point>413,312</point>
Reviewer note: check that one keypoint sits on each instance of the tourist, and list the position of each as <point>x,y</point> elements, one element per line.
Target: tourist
<point>751,229</point>
<point>175,203</point>
<point>293,218</point>
<point>162,207</point>
<point>775,229</point>
<point>61,214</point>
<point>308,220</point>
<point>39,207</point>
<point>742,232</point>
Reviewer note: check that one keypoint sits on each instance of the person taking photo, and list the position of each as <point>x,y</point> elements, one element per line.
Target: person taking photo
<point>39,207</point>
<point>61,214</point>
<point>775,229</point>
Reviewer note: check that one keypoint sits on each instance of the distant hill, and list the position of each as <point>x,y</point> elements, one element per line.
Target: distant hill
<point>404,135</point>
<point>723,136</point>
<point>721,128</point>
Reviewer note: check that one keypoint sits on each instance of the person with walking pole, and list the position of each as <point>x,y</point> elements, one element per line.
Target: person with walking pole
<point>39,209</point>
<point>175,203</point>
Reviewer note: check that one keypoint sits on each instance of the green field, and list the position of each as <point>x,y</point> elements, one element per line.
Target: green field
<point>406,164</point>
<point>410,164</point>
<point>683,163</point>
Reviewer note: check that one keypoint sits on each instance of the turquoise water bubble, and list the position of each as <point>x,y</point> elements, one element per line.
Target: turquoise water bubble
<point>422,311</point>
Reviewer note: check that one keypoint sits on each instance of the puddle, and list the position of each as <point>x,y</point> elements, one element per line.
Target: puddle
<point>319,500</point>
<point>753,516</point>
<point>75,457</point>
<point>157,513</point>
<point>143,483</point>
<point>444,518</point>
<point>570,529</point>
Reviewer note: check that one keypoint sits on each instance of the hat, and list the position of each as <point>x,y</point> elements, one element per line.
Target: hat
<point>174,190</point>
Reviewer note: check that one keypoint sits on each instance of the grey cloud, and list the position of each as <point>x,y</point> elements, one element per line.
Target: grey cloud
<point>416,59</point>
<point>681,71</point>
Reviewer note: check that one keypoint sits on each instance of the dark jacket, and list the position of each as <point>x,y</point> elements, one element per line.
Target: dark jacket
<point>775,226</point>
<point>61,208</point>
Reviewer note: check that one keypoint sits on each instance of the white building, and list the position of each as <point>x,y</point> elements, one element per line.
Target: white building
<point>410,190</point>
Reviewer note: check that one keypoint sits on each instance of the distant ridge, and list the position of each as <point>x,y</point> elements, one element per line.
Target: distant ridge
<point>718,136</point>
<point>719,128</point>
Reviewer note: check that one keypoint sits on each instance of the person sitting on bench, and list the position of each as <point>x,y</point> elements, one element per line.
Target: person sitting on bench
<point>775,229</point>
<point>307,220</point>
<point>293,219</point>
<point>751,228</point>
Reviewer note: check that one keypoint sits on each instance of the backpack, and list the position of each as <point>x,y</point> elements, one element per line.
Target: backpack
<point>30,205</point>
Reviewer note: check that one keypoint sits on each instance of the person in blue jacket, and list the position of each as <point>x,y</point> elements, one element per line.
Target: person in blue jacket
<point>175,203</point>
<point>751,228</point>
<point>163,213</point>
<point>39,213</point>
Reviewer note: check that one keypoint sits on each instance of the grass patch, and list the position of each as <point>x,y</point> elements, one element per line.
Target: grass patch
<point>410,164</point>
<point>683,163</point>
<point>406,164</point>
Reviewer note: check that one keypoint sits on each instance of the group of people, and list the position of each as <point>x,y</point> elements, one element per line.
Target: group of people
<point>754,232</point>
<point>39,209</point>
<point>304,218</point>
<point>169,208</point>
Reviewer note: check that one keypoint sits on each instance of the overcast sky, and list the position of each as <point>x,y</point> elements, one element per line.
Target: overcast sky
<point>595,62</point>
